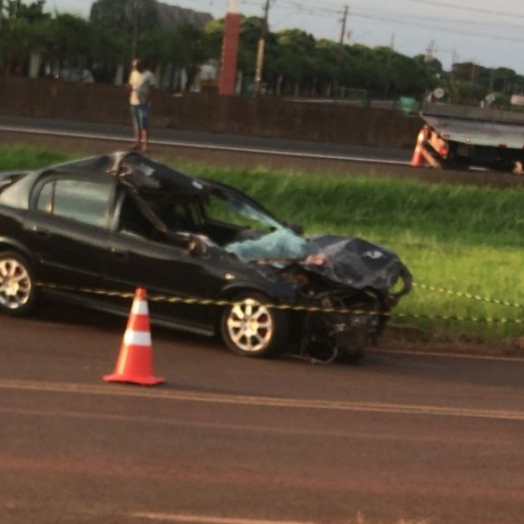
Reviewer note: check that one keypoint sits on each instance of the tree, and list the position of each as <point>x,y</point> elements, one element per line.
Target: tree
<point>250,30</point>
<point>71,36</point>
<point>466,92</point>
<point>325,64</point>
<point>21,32</point>
<point>131,18</point>
<point>292,64</point>
<point>32,12</point>
<point>192,51</point>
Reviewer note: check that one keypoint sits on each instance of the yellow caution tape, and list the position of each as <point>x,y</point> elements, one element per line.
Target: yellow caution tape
<point>469,296</point>
<point>173,299</point>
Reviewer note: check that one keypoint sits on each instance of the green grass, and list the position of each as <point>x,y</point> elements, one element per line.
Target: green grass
<point>463,239</point>
<point>20,157</point>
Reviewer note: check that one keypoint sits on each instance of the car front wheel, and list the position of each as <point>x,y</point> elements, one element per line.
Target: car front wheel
<point>17,284</point>
<point>251,327</point>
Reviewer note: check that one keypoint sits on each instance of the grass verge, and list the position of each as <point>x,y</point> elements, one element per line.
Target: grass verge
<point>463,244</point>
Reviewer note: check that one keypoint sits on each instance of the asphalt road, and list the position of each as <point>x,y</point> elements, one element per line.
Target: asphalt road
<point>230,440</point>
<point>204,142</point>
<point>238,151</point>
<point>408,438</point>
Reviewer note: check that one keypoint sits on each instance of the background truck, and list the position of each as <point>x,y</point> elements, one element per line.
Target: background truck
<point>461,137</point>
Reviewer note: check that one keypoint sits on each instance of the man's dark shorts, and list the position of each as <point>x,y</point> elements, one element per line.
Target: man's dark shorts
<point>140,115</point>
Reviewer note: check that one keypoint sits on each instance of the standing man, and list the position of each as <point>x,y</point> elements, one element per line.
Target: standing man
<point>140,83</point>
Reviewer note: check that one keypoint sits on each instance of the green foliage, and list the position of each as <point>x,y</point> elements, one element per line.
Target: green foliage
<point>20,157</point>
<point>467,93</point>
<point>32,12</point>
<point>471,82</point>
<point>294,49</point>
<point>70,36</point>
<point>23,29</point>
<point>122,15</point>
<point>294,62</point>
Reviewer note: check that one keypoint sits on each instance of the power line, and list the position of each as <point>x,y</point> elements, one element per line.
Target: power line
<point>439,19</point>
<point>313,8</point>
<point>462,8</point>
<point>442,29</point>
<point>433,3</point>
<point>327,8</point>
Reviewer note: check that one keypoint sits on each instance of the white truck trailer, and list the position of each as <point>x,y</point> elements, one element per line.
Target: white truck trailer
<point>459,137</point>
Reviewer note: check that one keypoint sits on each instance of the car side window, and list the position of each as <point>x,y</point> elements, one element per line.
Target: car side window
<point>85,201</point>
<point>177,218</point>
<point>132,220</point>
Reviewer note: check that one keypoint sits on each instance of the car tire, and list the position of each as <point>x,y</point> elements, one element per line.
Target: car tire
<point>18,292</point>
<point>252,328</point>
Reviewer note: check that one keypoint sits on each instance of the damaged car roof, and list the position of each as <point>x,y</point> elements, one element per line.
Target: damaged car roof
<point>143,174</point>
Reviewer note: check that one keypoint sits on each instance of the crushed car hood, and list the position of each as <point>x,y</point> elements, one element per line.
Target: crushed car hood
<point>350,261</point>
<point>357,263</point>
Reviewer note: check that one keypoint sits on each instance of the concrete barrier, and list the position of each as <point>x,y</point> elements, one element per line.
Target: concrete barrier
<point>333,122</point>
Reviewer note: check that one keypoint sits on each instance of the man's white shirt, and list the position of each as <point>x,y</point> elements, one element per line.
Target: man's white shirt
<point>141,84</point>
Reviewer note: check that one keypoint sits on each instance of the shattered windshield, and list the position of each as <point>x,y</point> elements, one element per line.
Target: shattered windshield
<point>232,209</point>
<point>278,245</point>
<point>267,238</point>
<point>251,213</point>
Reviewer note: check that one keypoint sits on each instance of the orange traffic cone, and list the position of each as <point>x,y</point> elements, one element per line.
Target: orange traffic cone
<point>417,160</point>
<point>135,361</point>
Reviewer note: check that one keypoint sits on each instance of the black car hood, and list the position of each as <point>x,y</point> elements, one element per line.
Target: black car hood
<point>357,263</point>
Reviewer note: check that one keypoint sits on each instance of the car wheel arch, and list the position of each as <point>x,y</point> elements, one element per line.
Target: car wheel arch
<point>8,244</point>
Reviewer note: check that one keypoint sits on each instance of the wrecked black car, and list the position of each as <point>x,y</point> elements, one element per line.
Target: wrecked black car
<point>211,258</point>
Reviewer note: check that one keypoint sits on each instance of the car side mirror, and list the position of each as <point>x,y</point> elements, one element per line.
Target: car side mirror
<point>197,247</point>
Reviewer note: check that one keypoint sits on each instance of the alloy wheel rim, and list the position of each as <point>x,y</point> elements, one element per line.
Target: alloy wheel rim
<point>15,284</point>
<point>250,326</point>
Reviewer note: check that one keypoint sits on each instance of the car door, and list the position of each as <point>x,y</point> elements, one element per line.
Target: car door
<point>143,257</point>
<point>67,227</point>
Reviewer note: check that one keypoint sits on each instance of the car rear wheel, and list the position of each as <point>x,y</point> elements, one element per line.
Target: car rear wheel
<point>17,284</point>
<point>252,328</point>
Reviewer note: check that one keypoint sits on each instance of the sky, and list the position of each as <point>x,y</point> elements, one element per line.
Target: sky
<point>485,32</point>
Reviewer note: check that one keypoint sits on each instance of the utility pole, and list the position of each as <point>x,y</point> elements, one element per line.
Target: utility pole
<point>134,18</point>
<point>390,59</point>
<point>430,51</point>
<point>455,56</point>
<point>454,60</point>
<point>340,57</point>
<point>260,50</point>
<point>344,21</point>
